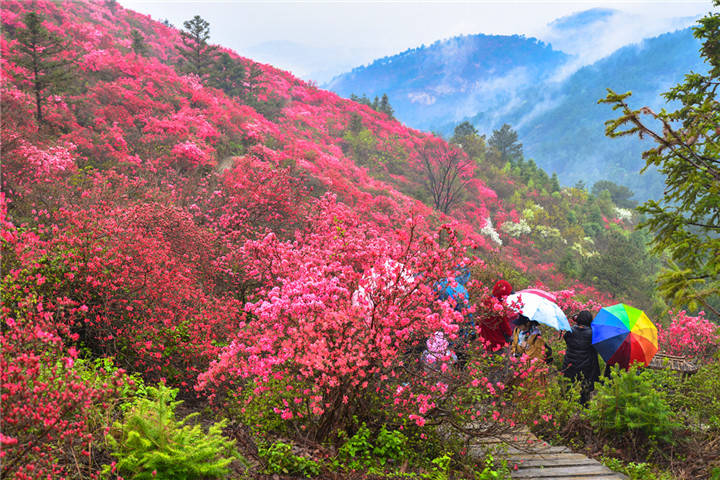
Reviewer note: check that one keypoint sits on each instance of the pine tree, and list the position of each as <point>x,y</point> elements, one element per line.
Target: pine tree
<point>230,76</point>
<point>385,106</point>
<point>197,54</point>
<point>39,51</point>
<point>505,142</point>
<point>554,183</point>
<point>685,223</point>
<point>138,42</point>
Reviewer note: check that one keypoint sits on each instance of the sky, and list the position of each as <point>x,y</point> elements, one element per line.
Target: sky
<point>317,40</point>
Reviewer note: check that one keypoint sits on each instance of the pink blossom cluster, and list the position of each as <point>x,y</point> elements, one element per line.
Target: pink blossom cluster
<point>692,336</point>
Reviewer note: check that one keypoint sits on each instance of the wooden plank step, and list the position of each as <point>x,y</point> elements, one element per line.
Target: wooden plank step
<point>615,476</point>
<point>508,451</point>
<point>555,462</point>
<point>535,449</point>
<point>545,456</point>
<point>563,472</point>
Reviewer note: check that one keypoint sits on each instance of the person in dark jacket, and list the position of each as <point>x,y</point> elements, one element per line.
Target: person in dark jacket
<point>581,359</point>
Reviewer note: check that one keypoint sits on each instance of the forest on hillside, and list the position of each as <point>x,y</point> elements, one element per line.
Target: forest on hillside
<point>212,269</point>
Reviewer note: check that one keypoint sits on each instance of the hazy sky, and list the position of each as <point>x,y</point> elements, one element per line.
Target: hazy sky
<point>318,39</point>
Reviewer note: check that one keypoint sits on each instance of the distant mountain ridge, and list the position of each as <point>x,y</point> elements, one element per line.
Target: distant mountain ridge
<point>431,83</point>
<point>491,80</point>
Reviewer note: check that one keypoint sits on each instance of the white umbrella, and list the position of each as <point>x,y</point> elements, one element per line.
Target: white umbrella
<point>540,306</point>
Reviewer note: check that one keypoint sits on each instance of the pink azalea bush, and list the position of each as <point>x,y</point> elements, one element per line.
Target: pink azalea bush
<point>687,335</point>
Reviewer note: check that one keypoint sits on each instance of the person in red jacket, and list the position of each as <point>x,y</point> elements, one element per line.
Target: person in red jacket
<point>495,328</point>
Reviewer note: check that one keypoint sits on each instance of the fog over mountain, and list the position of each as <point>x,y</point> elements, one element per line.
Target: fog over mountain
<point>546,89</point>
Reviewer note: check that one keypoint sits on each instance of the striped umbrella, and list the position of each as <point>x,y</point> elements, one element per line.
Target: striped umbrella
<point>540,306</point>
<point>623,334</point>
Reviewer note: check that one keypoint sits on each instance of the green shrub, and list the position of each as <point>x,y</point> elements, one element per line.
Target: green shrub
<point>151,444</point>
<point>389,445</point>
<point>699,395</point>
<point>440,468</point>
<point>360,451</point>
<point>279,459</point>
<point>628,402</point>
<point>491,471</point>
<point>636,471</point>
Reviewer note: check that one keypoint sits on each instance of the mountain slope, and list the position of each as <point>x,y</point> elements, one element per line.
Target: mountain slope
<point>523,82</point>
<point>454,78</point>
<point>569,138</point>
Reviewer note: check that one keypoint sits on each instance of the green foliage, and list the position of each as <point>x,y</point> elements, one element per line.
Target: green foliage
<point>279,459</point>
<point>151,444</point>
<point>620,194</point>
<point>389,445</point>
<point>101,370</point>
<point>360,451</point>
<point>138,42</point>
<point>686,221</point>
<point>381,105</point>
<point>629,403</point>
<point>699,395</point>
<point>440,468</point>
<point>636,471</point>
<point>491,471</point>
<point>621,267</point>
<point>467,137</point>
<point>356,452</point>
<point>196,54</point>
<point>505,143</point>
<point>256,411</point>
<point>41,53</point>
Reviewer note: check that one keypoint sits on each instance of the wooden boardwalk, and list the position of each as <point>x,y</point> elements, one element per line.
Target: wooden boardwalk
<point>530,458</point>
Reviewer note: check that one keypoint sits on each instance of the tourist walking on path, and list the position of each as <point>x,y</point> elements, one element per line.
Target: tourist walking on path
<point>581,359</point>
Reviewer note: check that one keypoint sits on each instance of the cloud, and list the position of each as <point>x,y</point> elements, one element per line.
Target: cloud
<point>421,98</point>
<point>594,34</point>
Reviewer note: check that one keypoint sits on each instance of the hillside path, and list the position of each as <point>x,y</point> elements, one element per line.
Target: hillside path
<point>531,458</point>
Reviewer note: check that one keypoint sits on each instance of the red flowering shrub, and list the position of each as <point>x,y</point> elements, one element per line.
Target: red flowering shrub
<point>45,401</point>
<point>334,350</point>
<point>693,336</point>
<point>131,282</point>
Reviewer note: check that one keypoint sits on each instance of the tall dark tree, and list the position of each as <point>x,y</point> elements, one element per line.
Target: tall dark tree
<point>554,183</point>
<point>447,171</point>
<point>685,223</point>
<point>138,42</point>
<point>197,55</point>
<point>620,194</point>
<point>41,52</point>
<point>464,129</point>
<point>505,142</point>
<point>467,137</point>
<point>385,106</point>
<point>229,75</point>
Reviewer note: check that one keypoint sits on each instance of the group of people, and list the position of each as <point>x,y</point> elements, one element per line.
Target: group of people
<point>581,359</point>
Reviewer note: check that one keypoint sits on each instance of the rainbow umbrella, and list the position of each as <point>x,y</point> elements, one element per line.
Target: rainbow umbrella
<point>623,334</point>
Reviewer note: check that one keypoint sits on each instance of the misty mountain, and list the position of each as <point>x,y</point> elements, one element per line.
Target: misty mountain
<point>563,130</point>
<point>453,79</point>
<point>543,93</point>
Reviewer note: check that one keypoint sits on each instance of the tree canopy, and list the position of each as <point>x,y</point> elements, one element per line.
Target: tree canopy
<point>685,222</point>
<point>41,52</point>
<point>505,141</point>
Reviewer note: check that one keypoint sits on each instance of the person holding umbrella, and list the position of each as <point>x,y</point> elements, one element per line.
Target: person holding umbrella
<point>581,359</point>
<point>495,328</point>
<point>527,340</point>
